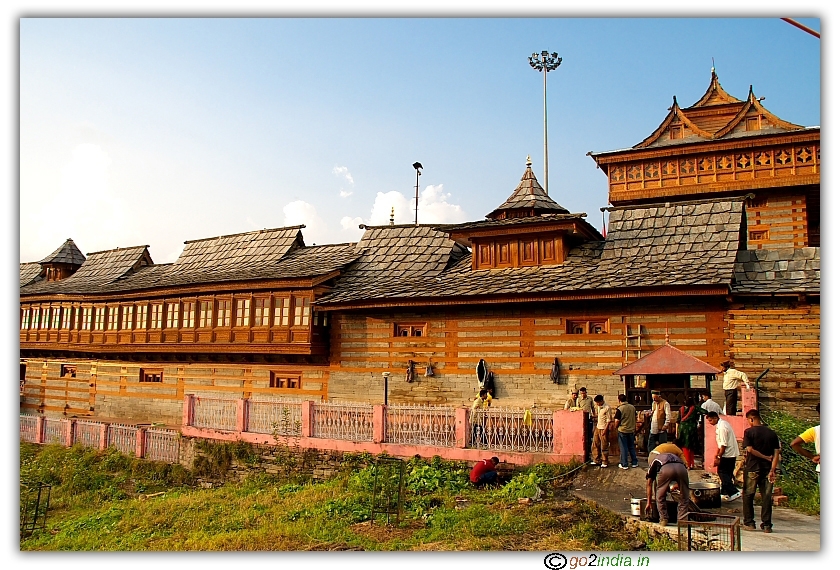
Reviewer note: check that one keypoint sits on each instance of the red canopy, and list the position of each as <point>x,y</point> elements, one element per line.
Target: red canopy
<point>667,360</point>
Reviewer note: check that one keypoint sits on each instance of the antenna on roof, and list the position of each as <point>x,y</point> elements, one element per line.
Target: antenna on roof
<point>392,215</point>
<point>418,167</point>
<point>713,66</point>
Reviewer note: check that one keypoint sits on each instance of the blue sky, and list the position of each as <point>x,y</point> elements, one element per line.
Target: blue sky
<point>157,131</point>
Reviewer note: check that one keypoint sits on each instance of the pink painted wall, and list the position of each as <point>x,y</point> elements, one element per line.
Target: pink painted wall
<point>749,399</point>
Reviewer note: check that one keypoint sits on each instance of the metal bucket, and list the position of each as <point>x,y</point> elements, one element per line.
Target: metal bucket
<point>637,506</point>
<point>705,495</point>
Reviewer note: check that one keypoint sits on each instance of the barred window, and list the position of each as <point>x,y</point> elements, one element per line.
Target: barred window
<point>56,317</point>
<point>68,319</point>
<point>100,319</point>
<point>205,319</point>
<point>151,374</point>
<point>113,318</point>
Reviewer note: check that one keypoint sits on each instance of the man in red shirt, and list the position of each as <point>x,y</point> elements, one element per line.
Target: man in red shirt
<point>484,472</point>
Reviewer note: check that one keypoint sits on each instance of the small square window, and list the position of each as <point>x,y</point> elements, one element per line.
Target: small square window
<point>593,326</point>
<point>284,380</point>
<point>151,375</point>
<point>410,329</point>
<point>68,370</point>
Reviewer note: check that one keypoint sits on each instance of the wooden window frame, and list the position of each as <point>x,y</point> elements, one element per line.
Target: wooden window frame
<point>411,330</point>
<point>188,314</point>
<point>127,317</point>
<point>262,311</point>
<point>588,326</point>
<point>206,314</point>
<point>142,320</point>
<point>243,312</point>
<point>24,318</point>
<point>114,318</point>
<point>56,318</point>
<point>284,380</point>
<point>69,370</point>
<point>67,318</point>
<point>303,316</point>
<point>223,310</point>
<point>99,319</point>
<point>282,310</point>
<point>156,316</point>
<point>173,314</point>
<point>151,375</point>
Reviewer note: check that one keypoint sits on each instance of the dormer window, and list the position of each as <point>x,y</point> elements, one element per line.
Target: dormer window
<point>676,132</point>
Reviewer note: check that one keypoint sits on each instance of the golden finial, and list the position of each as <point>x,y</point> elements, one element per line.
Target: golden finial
<point>528,161</point>
<point>392,215</point>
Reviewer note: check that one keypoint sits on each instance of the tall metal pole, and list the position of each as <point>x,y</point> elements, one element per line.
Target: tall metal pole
<point>417,166</point>
<point>545,62</point>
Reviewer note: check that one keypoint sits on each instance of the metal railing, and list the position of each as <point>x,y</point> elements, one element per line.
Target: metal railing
<point>276,417</point>
<point>420,425</point>
<point>511,429</point>
<point>346,421</point>
<point>86,433</point>
<point>214,413</point>
<point>28,427</point>
<point>123,437</point>
<point>162,445</point>
<point>53,431</point>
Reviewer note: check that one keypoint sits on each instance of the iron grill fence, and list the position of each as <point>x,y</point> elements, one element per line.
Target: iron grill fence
<point>346,421</point>
<point>420,425</point>
<point>87,433</point>
<point>162,445</point>
<point>28,428</point>
<point>276,417</point>
<point>512,429</point>
<point>214,413</point>
<point>123,437</point>
<point>53,431</point>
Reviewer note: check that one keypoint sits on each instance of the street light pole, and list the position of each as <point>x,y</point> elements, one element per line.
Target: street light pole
<point>545,62</point>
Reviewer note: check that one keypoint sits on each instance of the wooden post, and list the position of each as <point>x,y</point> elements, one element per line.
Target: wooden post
<point>307,418</point>
<point>379,423</point>
<point>68,432</point>
<point>241,415</point>
<point>140,443</point>
<point>462,427</point>
<point>39,429</point>
<point>103,437</point>
<point>187,413</point>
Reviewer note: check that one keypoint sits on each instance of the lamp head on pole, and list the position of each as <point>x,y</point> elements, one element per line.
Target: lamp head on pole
<point>545,61</point>
<point>418,167</point>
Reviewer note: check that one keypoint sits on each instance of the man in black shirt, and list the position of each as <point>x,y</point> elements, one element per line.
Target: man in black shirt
<point>762,449</point>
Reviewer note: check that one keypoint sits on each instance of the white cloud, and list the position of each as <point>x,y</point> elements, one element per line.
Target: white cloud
<point>343,171</point>
<point>345,193</point>
<point>300,212</point>
<point>348,223</point>
<point>434,208</point>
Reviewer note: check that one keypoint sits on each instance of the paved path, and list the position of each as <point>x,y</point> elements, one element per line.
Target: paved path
<point>612,488</point>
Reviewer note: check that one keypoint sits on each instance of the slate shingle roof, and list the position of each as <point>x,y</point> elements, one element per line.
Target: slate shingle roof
<point>529,194</point>
<point>29,273</point>
<point>681,244</point>
<point>777,271</point>
<point>542,218</point>
<point>98,270</point>
<point>393,254</point>
<point>264,246</point>
<point>66,253</point>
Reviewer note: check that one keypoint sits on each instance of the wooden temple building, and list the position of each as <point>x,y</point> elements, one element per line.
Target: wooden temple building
<point>712,245</point>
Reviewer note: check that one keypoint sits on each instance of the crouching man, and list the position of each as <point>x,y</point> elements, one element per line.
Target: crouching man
<point>484,472</point>
<point>664,469</point>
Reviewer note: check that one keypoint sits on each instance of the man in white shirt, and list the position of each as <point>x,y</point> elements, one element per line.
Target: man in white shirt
<point>727,454</point>
<point>732,381</point>
<point>708,404</point>
<point>660,418</point>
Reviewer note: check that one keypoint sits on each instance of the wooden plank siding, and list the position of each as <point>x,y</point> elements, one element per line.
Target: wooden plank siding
<point>109,389</point>
<point>519,346</point>
<point>783,336</point>
<point>777,222</point>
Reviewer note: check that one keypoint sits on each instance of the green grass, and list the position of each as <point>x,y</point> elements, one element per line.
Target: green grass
<point>100,503</point>
<point>798,479</point>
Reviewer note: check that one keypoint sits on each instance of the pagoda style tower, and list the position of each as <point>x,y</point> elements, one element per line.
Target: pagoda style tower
<point>723,146</point>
